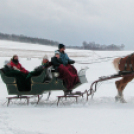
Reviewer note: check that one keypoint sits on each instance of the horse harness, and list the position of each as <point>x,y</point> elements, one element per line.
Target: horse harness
<point>128,62</point>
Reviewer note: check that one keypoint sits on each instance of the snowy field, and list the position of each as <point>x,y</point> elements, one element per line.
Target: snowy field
<point>102,115</point>
<point>35,51</point>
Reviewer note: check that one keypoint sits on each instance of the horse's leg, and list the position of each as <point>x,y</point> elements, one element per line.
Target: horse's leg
<point>120,85</point>
<point>120,96</point>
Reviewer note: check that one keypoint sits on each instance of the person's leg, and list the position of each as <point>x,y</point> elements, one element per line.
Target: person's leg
<point>20,77</point>
<point>73,72</point>
<point>72,69</point>
<point>69,78</point>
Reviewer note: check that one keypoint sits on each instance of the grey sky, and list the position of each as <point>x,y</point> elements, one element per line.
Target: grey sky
<point>71,21</point>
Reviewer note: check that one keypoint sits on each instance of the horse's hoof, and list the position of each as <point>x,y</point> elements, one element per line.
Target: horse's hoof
<point>122,100</point>
<point>117,98</point>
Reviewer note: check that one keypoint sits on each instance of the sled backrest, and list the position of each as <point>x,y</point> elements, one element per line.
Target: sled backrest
<point>82,75</point>
<point>6,79</point>
<point>49,72</point>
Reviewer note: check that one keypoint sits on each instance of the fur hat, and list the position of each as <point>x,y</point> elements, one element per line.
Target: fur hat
<point>57,52</point>
<point>6,62</point>
<point>45,57</point>
<point>61,46</point>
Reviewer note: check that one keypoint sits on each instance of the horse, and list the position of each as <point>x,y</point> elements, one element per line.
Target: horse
<point>125,64</point>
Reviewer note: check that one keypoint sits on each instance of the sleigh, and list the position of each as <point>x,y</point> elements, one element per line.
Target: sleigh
<point>39,85</point>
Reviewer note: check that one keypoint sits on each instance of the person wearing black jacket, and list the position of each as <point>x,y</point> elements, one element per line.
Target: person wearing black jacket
<point>20,77</point>
<point>56,60</point>
<point>7,67</point>
<point>37,71</point>
<point>67,72</point>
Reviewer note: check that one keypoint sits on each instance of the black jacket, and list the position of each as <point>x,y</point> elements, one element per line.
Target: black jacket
<point>42,67</point>
<point>7,69</point>
<point>56,62</point>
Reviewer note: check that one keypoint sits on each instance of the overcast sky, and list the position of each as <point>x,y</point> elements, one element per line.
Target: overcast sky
<point>71,21</point>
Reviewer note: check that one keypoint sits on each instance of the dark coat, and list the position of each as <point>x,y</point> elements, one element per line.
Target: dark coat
<point>7,68</point>
<point>42,67</point>
<point>37,71</point>
<point>56,62</point>
<point>20,77</point>
<point>39,68</point>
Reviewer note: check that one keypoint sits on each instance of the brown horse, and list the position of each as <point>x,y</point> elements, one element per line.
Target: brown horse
<point>123,64</point>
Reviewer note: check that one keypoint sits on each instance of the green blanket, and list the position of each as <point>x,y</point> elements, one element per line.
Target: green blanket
<point>23,80</point>
<point>20,78</point>
<point>28,78</point>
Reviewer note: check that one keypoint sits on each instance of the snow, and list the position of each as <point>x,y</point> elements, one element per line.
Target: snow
<point>35,51</point>
<point>102,115</point>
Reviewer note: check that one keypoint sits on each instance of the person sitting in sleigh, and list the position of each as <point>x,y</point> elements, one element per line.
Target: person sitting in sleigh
<point>62,63</point>
<point>37,71</point>
<point>17,66</point>
<point>10,71</point>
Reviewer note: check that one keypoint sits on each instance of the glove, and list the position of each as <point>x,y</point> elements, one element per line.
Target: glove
<point>71,62</point>
<point>15,68</point>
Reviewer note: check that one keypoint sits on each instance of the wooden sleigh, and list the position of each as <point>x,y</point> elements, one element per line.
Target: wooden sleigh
<point>39,85</point>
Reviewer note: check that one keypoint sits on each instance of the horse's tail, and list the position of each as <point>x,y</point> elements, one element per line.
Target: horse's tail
<point>116,63</point>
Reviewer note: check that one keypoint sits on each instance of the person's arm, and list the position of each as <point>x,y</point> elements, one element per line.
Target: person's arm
<point>14,67</point>
<point>39,68</point>
<point>11,63</point>
<point>45,65</point>
<point>22,69</point>
<point>68,60</point>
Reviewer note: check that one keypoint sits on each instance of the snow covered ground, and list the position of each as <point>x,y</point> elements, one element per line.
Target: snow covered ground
<point>35,51</point>
<point>99,116</point>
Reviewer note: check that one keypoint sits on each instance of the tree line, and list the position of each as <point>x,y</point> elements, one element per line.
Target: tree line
<point>85,45</point>
<point>25,39</point>
<point>98,47</point>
